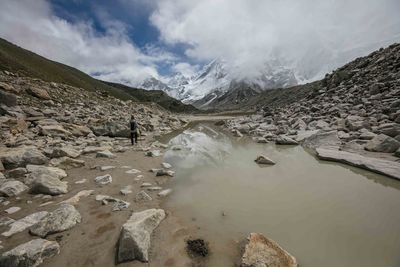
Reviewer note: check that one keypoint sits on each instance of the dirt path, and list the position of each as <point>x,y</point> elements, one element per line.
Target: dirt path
<point>93,241</point>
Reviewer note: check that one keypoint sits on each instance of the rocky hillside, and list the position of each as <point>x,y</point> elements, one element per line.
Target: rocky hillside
<point>25,63</point>
<point>356,108</point>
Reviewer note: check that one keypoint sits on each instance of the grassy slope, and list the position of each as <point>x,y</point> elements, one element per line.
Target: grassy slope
<point>18,60</point>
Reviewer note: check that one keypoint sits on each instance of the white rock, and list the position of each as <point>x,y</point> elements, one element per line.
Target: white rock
<point>24,223</point>
<point>63,218</point>
<point>103,180</point>
<point>264,160</point>
<point>262,252</point>
<point>134,241</point>
<point>12,210</point>
<point>12,188</point>
<point>165,192</point>
<point>30,254</point>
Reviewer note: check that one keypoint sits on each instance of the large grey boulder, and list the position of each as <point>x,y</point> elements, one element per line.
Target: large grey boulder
<point>322,139</point>
<point>67,163</point>
<point>12,188</point>
<point>24,223</point>
<point>35,171</point>
<point>53,130</point>
<point>261,251</point>
<point>65,152</point>
<point>111,129</point>
<point>8,99</point>
<point>63,218</point>
<point>285,140</point>
<point>385,167</point>
<point>134,240</point>
<point>21,156</point>
<point>30,254</point>
<point>382,143</point>
<point>45,184</point>
<point>390,129</point>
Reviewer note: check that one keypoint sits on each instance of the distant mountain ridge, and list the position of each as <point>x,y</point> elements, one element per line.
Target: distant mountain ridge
<point>215,79</point>
<point>18,60</point>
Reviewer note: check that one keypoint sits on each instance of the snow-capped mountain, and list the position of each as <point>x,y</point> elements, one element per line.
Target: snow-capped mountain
<point>216,78</point>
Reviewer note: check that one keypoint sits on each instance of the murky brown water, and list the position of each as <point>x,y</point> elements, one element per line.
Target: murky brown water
<point>325,214</point>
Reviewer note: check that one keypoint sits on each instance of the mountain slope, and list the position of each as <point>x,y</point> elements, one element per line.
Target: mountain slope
<point>26,63</point>
<point>156,96</point>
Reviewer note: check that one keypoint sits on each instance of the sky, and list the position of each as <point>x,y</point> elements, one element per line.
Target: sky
<point>129,40</point>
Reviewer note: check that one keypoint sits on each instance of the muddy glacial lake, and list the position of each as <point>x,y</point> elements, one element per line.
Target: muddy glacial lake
<point>324,214</point>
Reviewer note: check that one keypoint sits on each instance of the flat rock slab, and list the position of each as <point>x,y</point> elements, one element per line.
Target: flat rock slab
<point>75,199</point>
<point>385,167</point>
<point>261,251</point>
<point>134,241</point>
<point>24,223</point>
<point>63,218</point>
<point>30,254</point>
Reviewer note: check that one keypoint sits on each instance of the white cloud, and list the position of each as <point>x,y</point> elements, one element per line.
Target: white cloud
<point>315,36</point>
<point>111,56</point>
<point>186,69</point>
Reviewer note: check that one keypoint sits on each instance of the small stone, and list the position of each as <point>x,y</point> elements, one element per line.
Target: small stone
<point>12,210</point>
<point>103,180</point>
<point>165,192</point>
<point>153,153</point>
<point>126,190</point>
<point>133,171</point>
<point>142,196</point>
<point>106,168</point>
<point>105,154</point>
<point>166,165</point>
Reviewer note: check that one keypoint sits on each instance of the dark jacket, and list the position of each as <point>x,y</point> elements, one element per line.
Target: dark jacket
<point>134,126</point>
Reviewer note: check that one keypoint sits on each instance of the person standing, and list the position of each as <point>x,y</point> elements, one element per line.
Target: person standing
<point>134,130</point>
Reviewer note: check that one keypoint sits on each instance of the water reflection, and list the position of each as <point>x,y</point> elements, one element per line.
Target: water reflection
<point>326,214</point>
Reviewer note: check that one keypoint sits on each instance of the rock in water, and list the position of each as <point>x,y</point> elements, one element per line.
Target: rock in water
<point>45,184</point>
<point>264,160</point>
<point>63,218</point>
<point>134,241</point>
<point>12,188</point>
<point>385,167</point>
<point>261,252</point>
<point>30,254</point>
<point>285,140</point>
<point>382,143</point>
